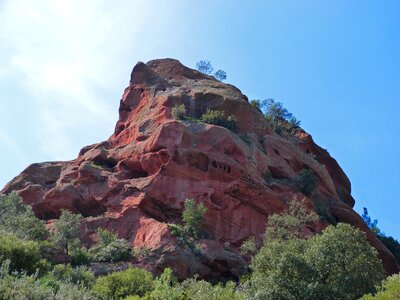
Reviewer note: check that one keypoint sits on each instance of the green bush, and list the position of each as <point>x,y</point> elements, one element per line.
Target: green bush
<point>193,217</point>
<point>217,117</point>
<point>66,231</point>
<point>307,181</point>
<point>339,263</point>
<point>249,246</point>
<point>203,290</point>
<point>118,285</point>
<point>390,290</point>
<point>179,112</point>
<point>290,223</point>
<point>392,244</point>
<point>324,213</point>
<point>23,255</point>
<point>166,287</point>
<point>72,291</point>
<point>79,256</point>
<point>81,276</point>
<point>18,218</point>
<point>110,248</point>
<point>278,117</point>
<point>21,286</point>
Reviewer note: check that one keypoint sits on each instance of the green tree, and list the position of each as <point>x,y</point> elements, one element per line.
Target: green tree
<point>119,285</point>
<point>21,286</point>
<point>307,181</point>
<point>81,276</point>
<point>290,223</point>
<point>372,224</point>
<point>220,75</point>
<point>204,66</point>
<point>249,246</point>
<point>110,248</point>
<point>179,112</point>
<point>66,231</point>
<point>18,218</point>
<point>203,290</point>
<point>217,117</point>
<point>193,217</point>
<point>278,117</point>
<point>339,263</point>
<point>23,256</point>
<point>167,287</point>
<point>347,266</point>
<point>391,243</point>
<point>390,290</point>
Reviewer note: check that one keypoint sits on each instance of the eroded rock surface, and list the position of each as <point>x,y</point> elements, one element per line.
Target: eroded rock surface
<point>137,181</point>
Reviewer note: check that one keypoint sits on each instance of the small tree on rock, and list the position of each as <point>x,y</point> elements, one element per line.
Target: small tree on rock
<point>205,67</point>
<point>193,217</point>
<point>66,230</point>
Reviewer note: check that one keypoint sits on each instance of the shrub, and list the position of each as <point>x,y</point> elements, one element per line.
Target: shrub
<point>18,218</point>
<point>193,217</point>
<point>203,290</point>
<point>179,112</point>
<point>110,248</point>
<point>23,255</point>
<point>256,103</point>
<point>217,117</point>
<point>245,139</point>
<point>71,291</point>
<point>189,232</point>
<point>324,213</point>
<point>391,243</point>
<point>307,181</point>
<point>118,285</point>
<point>249,246</point>
<point>390,290</point>
<point>166,287</point>
<point>81,276</point>
<point>290,223</point>
<point>220,75</point>
<point>204,66</point>
<point>66,231</point>
<point>21,286</point>
<point>79,256</point>
<point>279,118</point>
<point>339,263</point>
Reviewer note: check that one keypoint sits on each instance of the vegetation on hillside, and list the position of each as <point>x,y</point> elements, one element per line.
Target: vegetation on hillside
<point>390,242</point>
<point>279,118</point>
<point>214,117</point>
<point>338,263</point>
<point>190,231</point>
<point>205,67</point>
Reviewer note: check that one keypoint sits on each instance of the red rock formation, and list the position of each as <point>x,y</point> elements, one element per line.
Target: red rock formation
<point>137,181</point>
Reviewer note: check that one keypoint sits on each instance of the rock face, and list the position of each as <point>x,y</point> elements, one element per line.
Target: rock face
<point>137,181</point>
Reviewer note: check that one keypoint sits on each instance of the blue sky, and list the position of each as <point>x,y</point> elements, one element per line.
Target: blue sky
<point>334,64</point>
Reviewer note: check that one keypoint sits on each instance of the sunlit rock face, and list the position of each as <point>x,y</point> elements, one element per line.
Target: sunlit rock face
<point>137,181</point>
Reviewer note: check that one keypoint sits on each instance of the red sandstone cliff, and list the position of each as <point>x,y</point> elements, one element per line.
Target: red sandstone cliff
<point>136,181</point>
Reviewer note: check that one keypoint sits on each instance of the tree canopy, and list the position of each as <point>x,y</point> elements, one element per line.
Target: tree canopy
<point>339,263</point>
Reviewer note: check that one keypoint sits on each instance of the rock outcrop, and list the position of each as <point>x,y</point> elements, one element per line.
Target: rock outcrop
<point>137,181</point>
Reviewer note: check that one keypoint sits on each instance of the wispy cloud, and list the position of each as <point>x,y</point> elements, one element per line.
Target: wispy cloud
<point>69,55</point>
<point>6,141</point>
